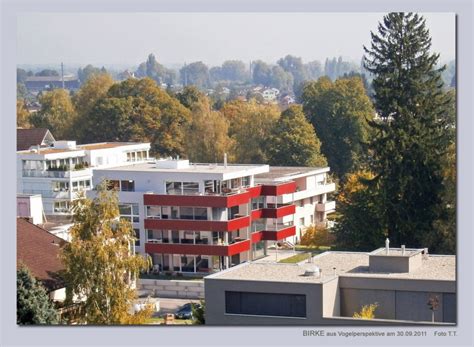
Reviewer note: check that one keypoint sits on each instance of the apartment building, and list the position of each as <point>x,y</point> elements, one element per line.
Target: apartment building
<point>409,286</point>
<point>310,198</point>
<point>61,171</point>
<point>200,217</point>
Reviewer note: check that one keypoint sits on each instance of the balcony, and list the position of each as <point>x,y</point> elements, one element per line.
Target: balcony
<point>278,189</point>
<point>56,194</point>
<point>308,193</point>
<point>57,173</point>
<point>198,249</point>
<point>278,231</point>
<point>197,225</point>
<point>277,210</point>
<point>230,199</point>
<point>325,206</point>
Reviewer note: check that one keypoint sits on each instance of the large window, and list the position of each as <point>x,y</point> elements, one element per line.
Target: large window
<point>61,206</point>
<point>182,188</point>
<point>129,212</point>
<point>266,304</point>
<point>60,186</point>
<point>127,186</point>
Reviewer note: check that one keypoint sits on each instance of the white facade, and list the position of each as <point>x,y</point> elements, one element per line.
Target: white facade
<point>30,206</point>
<point>152,178</point>
<point>310,198</point>
<point>61,172</point>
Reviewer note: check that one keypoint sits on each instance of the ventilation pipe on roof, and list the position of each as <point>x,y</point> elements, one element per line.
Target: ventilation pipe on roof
<point>225,160</point>
<point>387,245</point>
<point>403,249</point>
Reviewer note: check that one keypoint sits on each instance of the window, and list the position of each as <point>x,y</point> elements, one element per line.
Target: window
<point>311,200</point>
<point>129,212</point>
<point>137,237</point>
<point>266,304</point>
<point>186,213</point>
<point>190,187</point>
<point>128,186</point>
<point>153,212</point>
<point>302,221</point>
<point>246,181</point>
<point>200,213</point>
<point>61,206</point>
<point>302,203</point>
<point>60,186</point>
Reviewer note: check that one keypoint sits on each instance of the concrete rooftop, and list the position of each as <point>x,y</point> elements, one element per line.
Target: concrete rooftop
<point>353,264</point>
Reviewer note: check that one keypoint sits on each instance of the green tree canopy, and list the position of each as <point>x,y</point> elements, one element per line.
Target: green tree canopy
<point>95,88</point>
<point>85,73</point>
<point>32,302</point>
<point>339,112</point>
<point>413,133</point>
<point>250,128</point>
<point>196,74</point>
<point>139,110</point>
<point>294,142</point>
<point>57,113</point>
<point>100,266</point>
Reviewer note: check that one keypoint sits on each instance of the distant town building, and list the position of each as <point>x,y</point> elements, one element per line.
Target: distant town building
<point>270,94</point>
<point>36,84</point>
<point>27,138</point>
<point>333,286</point>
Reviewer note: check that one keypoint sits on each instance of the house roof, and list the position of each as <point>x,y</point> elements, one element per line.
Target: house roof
<point>25,138</point>
<point>38,250</point>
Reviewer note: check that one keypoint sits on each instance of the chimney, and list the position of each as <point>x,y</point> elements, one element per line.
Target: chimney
<point>225,160</point>
<point>387,245</point>
<point>403,249</point>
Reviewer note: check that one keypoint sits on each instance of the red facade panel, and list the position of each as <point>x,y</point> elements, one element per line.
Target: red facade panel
<point>170,248</point>
<point>278,212</point>
<point>279,235</point>
<point>197,225</point>
<point>256,214</point>
<point>280,189</point>
<point>256,237</point>
<point>197,200</point>
<point>255,191</point>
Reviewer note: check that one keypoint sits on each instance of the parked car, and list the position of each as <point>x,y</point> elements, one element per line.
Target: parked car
<point>186,311</point>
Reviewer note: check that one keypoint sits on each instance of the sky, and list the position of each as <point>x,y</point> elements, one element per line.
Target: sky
<point>175,38</point>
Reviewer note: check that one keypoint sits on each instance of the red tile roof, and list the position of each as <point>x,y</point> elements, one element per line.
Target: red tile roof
<point>25,138</point>
<point>39,251</point>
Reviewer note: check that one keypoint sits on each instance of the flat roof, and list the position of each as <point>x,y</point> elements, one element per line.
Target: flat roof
<point>288,172</point>
<point>350,264</point>
<point>193,168</point>
<point>87,147</point>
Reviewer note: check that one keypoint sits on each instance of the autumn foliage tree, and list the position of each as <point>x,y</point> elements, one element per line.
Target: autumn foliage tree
<point>100,265</point>
<point>317,236</point>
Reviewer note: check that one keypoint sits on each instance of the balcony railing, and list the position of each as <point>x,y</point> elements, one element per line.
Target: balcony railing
<point>198,249</point>
<point>55,173</point>
<point>325,206</point>
<point>59,194</point>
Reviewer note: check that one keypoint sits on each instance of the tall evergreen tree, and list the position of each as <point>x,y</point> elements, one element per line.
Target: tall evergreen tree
<point>32,303</point>
<point>412,135</point>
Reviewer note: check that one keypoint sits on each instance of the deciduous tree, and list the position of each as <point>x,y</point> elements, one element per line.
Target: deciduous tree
<point>294,142</point>
<point>100,265</point>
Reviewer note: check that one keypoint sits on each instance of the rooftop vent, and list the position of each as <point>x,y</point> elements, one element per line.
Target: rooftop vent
<point>170,163</point>
<point>64,144</point>
<point>313,272</point>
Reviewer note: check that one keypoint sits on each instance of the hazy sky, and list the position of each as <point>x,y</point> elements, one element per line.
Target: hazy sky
<point>127,38</point>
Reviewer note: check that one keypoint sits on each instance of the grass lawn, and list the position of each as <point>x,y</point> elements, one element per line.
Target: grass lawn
<point>304,256</point>
<point>160,321</point>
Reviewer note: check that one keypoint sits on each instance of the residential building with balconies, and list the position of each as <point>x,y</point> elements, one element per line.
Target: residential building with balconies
<point>200,218</point>
<point>60,172</point>
<point>310,198</point>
